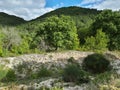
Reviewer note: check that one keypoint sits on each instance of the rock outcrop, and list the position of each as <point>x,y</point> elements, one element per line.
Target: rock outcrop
<point>33,62</point>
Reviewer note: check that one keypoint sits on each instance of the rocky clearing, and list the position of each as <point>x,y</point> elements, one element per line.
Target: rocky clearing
<point>50,61</point>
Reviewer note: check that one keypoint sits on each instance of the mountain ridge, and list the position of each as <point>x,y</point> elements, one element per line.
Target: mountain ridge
<point>77,13</point>
<point>10,20</point>
<point>69,11</point>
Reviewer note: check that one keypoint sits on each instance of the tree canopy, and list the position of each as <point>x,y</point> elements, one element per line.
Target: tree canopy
<point>67,28</point>
<point>109,22</point>
<point>59,32</point>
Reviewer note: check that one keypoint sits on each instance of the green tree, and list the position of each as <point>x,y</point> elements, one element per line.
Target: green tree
<point>58,39</point>
<point>97,43</point>
<point>24,46</point>
<point>108,21</point>
<point>59,32</point>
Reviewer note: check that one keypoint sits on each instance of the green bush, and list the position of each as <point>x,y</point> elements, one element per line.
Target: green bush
<point>10,76</point>
<point>73,73</point>
<point>7,74</point>
<point>96,63</point>
<point>44,72</point>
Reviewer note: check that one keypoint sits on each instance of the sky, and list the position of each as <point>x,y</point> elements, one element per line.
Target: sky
<point>30,9</point>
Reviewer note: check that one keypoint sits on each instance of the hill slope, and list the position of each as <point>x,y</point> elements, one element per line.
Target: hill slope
<point>71,11</point>
<point>82,16</point>
<point>10,20</point>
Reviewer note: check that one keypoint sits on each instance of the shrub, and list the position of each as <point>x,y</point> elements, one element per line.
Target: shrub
<point>96,63</point>
<point>10,75</point>
<point>7,74</point>
<point>44,72</point>
<point>73,73</point>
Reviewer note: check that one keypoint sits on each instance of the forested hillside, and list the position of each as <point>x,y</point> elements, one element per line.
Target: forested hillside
<point>67,28</point>
<point>10,20</point>
<point>82,16</point>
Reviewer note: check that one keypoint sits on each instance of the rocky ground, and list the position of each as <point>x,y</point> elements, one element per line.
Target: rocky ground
<point>43,58</point>
<point>35,61</point>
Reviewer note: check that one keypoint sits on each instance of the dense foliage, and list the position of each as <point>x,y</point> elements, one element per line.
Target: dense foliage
<point>73,73</point>
<point>96,63</point>
<point>109,22</point>
<point>97,43</point>
<point>66,28</point>
<point>58,32</point>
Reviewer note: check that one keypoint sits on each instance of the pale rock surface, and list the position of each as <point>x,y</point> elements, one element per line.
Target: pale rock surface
<point>50,60</point>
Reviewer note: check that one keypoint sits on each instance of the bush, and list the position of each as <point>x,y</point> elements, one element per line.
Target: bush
<point>73,73</point>
<point>10,76</point>
<point>7,74</point>
<point>44,72</point>
<point>96,63</point>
